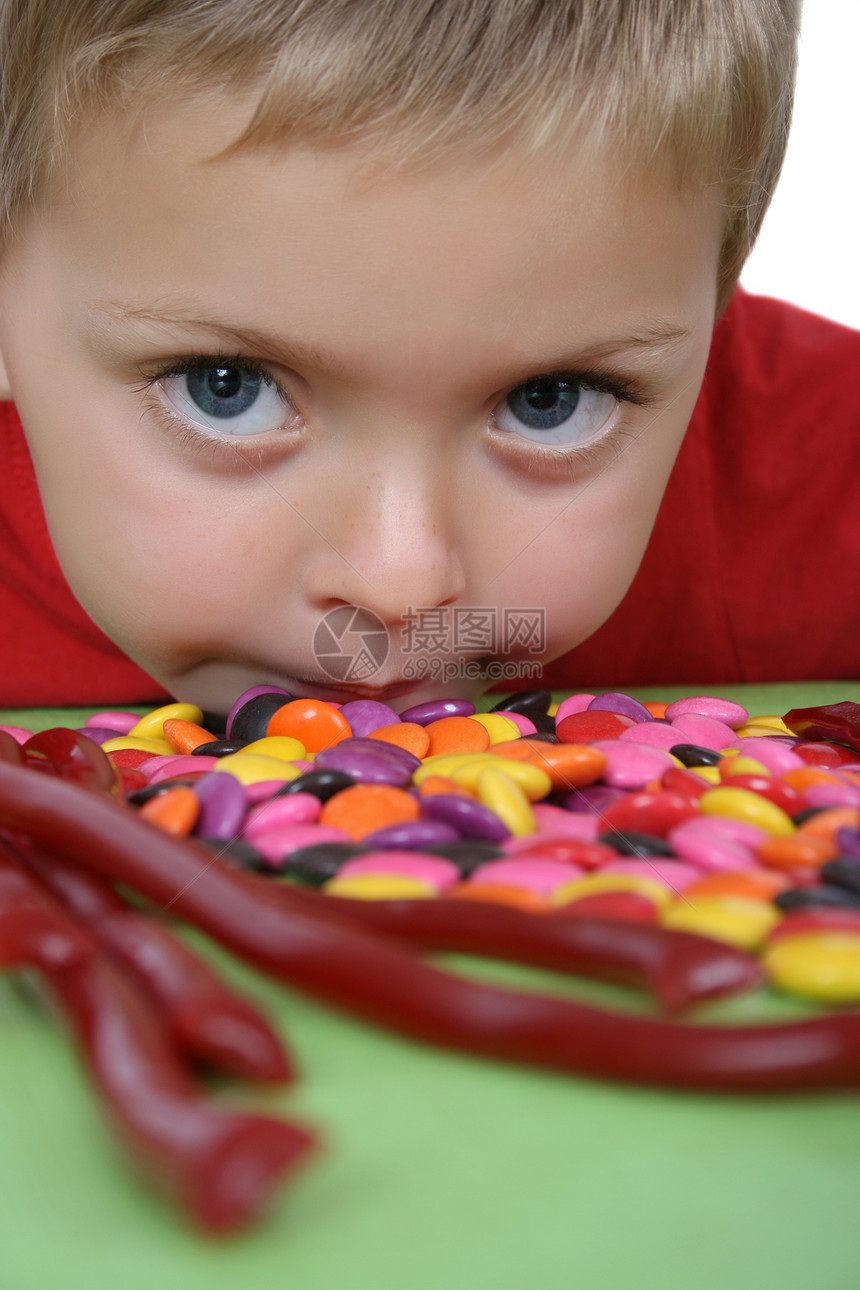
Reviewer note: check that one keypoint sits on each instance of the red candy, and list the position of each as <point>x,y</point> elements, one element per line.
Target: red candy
<point>587,727</point>
<point>620,906</point>
<point>654,813</point>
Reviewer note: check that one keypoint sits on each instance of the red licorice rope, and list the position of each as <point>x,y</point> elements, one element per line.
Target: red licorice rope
<point>379,982</point>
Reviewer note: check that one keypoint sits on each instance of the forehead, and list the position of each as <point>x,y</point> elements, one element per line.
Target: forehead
<point>476,249</point>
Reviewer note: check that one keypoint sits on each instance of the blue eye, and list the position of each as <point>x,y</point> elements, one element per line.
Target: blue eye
<point>227,397</point>
<point>545,403</point>
<point>223,391</point>
<point>555,410</point>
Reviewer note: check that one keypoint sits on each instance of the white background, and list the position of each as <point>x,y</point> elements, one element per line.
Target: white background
<point>809,249</point>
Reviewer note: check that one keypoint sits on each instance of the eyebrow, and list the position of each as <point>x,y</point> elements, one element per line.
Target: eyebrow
<point>651,336</point>
<point>292,352</point>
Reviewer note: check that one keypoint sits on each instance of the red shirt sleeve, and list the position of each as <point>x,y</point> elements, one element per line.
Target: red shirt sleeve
<point>752,572</point>
<point>51,653</point>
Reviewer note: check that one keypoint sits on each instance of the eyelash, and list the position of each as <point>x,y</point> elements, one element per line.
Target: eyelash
<point>553,458</point>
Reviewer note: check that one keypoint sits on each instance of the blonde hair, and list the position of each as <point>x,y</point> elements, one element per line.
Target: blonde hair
<point>706,85</point>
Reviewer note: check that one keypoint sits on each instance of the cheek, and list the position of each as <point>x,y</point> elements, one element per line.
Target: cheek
<point>577,558</point>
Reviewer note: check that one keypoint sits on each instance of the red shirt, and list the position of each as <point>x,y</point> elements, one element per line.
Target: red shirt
<point>752,572</point>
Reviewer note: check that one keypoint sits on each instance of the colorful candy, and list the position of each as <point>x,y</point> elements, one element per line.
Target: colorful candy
<point>656,845</point>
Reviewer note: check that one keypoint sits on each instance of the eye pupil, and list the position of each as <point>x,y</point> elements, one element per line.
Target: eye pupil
<point>224,391</point>
<point>226,382</point>
<point>544,403</point>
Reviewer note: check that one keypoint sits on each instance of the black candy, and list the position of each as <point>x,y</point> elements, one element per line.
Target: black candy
<point>844,871</point>
<point>695,755</point>
<point>253,717</point>
<point>807,813</point>
<point>542,737</point>
<point>215,723</point>
<point>467,854</point>
<point>314,865</point>
<point>141,795</point>
<point>822,896</point>
<point>323,783</point>
<point>218,748</point>
<point>627,842</point>
<point>528,702</point>
<point>234,852</point>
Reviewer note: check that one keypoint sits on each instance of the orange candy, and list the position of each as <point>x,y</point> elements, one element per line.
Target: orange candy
<point>826,823</point>
<point>185,736</point>
<point>315,724</point>
<point>749,884</point>
<point>498,893</point>
<point>805,776</point>
<point>802,849</point>
<point>404,734</point>
<point>174,812</point>
<point>515,749</point>
<point>364,808</point>
<point>569,765</point>
<point>457,734</point>
<point>656,709</point>
<point>442,784</point>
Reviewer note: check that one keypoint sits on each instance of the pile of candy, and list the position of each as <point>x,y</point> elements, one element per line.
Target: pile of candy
<point>687,850</point>
<point>691,815</point>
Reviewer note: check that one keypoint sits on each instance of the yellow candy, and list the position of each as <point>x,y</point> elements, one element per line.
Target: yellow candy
<point>595,883</point>
<point>817,965</point>
<point>158,747</point>
<point>152,725</point>
<point>254,768</point>
<point>710,773</point>
<point>498,791</point>
<point>741,804</point>
<point>552,710</point>
<point>447,763</point>
<point>755,730</point>
<point>499,727</point>
<point>733,919</point>
<point>743,766</point>
<point>378,886</point>
<point>771,720</point>
<point>280,746</point>
<point>533,781</point>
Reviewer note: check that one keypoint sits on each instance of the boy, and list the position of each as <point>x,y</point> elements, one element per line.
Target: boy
<point>404,306</point>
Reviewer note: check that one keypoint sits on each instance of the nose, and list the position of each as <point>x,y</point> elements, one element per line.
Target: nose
<point>390,542</point>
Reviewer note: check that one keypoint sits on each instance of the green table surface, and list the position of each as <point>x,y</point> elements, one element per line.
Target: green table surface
<point>442,1172</point>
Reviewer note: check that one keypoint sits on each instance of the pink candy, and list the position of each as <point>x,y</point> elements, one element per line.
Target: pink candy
<point>631,765</point>
<point>282,812</point>
<point>539,876</point>
<point>654,733</point>
<point>433,870</point>
<point>704,731</point>
<point>708,705</point>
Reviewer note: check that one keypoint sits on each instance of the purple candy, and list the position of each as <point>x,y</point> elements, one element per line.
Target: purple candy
<point>613,701</point>
<point>423,713</point>
<point>222,805</point>
<point>98,734</point>
<point>252,694</point>
<point>848,842</point>
<point>377,748</point>
<point>412,834</point>
<point>367,766</point>
<point>364,715</point>
<point>592,799</point>
<point>471,819</point>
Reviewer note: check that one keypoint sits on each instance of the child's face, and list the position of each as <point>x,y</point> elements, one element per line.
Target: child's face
<point>404,418</point>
